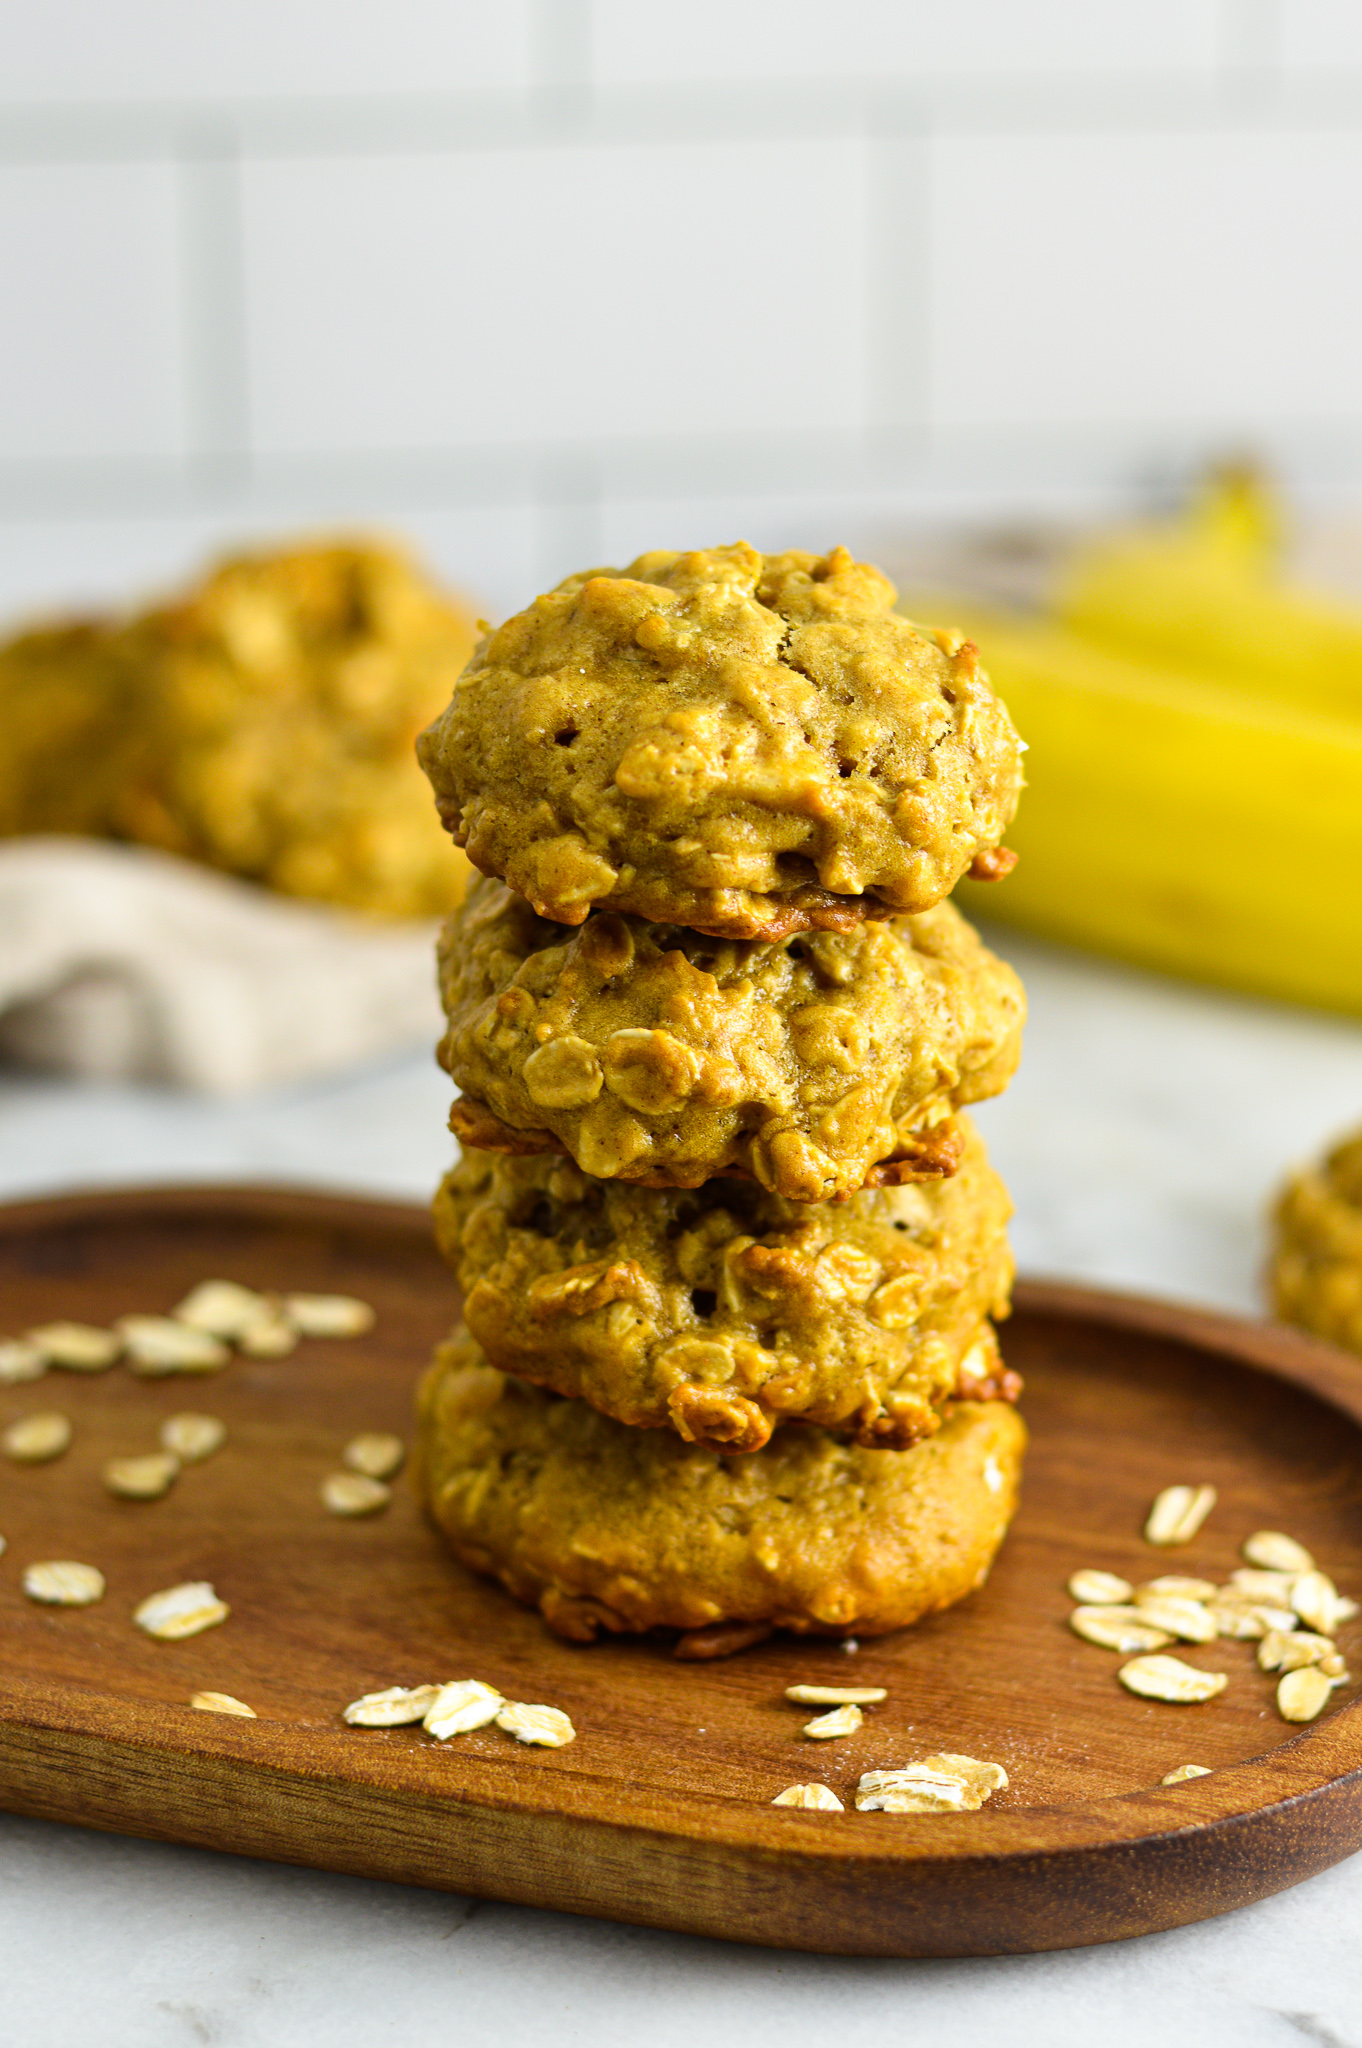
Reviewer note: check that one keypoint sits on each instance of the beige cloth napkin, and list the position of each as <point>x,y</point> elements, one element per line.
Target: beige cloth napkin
<point>118,963</point>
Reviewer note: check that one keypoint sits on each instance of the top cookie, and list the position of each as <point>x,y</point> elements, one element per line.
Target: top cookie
<point>748,745</point>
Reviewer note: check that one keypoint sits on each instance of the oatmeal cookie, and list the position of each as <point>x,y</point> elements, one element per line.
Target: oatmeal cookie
<point>748,745</point>
<point>651,1053</point>
<point>1317,1270</point>
<point>603,1527</point>
<point>727,1310</point>
<point>281,700</point>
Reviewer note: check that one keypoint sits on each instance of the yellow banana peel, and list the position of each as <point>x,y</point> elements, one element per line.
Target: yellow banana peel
<point>1206,594</point>
<point>1187,819</point>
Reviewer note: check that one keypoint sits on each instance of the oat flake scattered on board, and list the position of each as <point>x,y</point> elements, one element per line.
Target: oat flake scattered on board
<point>181,1611</point>
<point>1174,1586</point>
<point>1277,1553</point>
<point>351,1494</point>
<point>222,1703</point>
<point>1100,1589</point>
<point>841,1721</point>
<point>398,1707</point>
<point>142,1478</point>
<point>1304,1693</point>
<point>273,1338</point>
<point>1168,1678</point>
<point>1117,1628</point>
<point>461,1706</point>
<point>945,1783</point>
<point>1189,1620</point>
<point>1283,1650</point>
<point>20,1361</point>
<point>1183,1773</point>
<point>158,1346</point>
<point>34,1439</point>
<point>328,1315</point>
<point>547,1726</point>
<point>374,1453</point>
<point>192,1438</point>
<point>1314,1597</point>
<point>60,1583</point>
<point>836,1695</point>
<point>1178,1513</point>
<point>223,1308</point>
<point>79,1347</point>
<point>813,1798</point>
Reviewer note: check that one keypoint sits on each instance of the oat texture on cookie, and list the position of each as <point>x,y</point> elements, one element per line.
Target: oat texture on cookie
<point>725,1310</point>
<point>747,745</point>
<point>651,1053</point>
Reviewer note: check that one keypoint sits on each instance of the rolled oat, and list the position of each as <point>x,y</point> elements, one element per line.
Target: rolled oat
<point>1178,1513</point>
<point>460,1706</point>
<point>351,1494</point>
<point>1168,1678</point>
<point>144,1478</point>
<point>181,1611</point>
<point>813,1798</point>
<point>60,1583</point>
<point>398,1707</point>
<point>841,1721</point>
<point>1100,1589</point>
<point>1304,1693</point>
<point>34,1439</point>
<point>547,1726</point>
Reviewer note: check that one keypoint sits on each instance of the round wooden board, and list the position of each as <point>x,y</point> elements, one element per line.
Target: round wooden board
<point>660,1812</point>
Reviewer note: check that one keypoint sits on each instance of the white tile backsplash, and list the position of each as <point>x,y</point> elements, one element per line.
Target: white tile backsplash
<point>1321,33</point>
<point>139,50</point>
<point>1204,281</point>
<point>655,41</point>
<point>545,297</point>
<point>91,364</point>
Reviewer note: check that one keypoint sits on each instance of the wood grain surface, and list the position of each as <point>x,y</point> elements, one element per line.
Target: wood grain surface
<point>659,1813</point>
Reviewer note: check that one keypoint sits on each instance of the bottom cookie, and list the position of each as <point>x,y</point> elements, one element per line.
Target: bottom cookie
<point>605,1527</point>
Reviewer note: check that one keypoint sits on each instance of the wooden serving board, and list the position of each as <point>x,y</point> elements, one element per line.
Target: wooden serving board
<point>660,1812</point>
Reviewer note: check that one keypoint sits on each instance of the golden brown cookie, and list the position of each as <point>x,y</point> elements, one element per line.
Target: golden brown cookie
<point>1317,1270</point>
<point>726,1310</point>
<point>264,724</point>
<point>603,1527</point>
<point>282,700</point>
<point>748,745</point>
<point>651,1053</point>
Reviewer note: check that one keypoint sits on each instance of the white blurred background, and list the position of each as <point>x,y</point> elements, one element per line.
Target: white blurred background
<point>544,282</point>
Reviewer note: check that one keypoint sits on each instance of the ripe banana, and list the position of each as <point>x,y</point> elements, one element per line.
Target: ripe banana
<point>1201,816</point>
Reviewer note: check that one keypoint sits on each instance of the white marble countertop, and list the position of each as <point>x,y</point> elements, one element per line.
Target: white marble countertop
<point>1142,1141</point>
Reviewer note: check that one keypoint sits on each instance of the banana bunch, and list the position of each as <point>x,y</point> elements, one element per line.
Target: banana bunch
<point>1195,768</point>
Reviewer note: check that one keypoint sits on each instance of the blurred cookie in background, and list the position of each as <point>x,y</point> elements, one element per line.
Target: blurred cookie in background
<point>64,727</point>
<point>263,723</point>
<point>1317,1265</point>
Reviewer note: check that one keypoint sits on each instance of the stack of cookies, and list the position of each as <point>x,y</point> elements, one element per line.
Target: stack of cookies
<point>731,1257</point>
